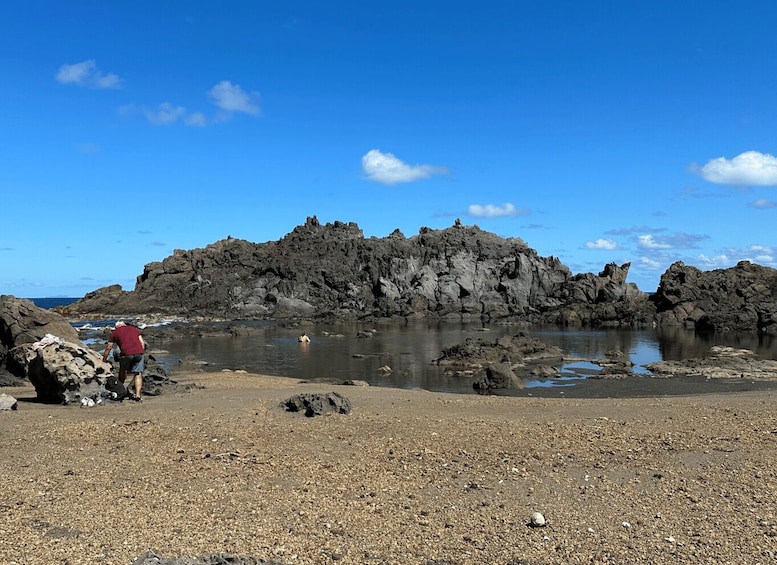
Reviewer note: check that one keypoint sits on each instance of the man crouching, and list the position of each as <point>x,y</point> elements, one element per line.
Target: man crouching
<point>131,358</point>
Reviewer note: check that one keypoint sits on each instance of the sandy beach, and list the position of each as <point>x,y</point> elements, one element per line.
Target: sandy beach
<point>408,477</point>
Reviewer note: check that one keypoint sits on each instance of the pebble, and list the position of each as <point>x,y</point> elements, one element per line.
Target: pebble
<point>537,520</point>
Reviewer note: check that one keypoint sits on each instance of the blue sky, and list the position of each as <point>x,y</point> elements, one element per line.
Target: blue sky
<point>596,131</point>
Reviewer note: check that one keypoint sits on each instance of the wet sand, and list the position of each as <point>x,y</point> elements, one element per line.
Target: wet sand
<point>408,477</point>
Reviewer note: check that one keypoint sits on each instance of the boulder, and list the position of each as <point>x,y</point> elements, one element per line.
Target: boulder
<point>318,404</point>
<point>498,376</point>
<point>741,298</point>
<point>62,371</point>
<point>21,322</point>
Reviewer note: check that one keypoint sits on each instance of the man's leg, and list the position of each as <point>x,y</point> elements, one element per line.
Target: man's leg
<point>137,380</point>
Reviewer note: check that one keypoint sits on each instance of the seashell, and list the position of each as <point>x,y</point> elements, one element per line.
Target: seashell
<point>537,520</point>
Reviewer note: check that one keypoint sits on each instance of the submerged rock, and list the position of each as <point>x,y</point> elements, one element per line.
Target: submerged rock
<point>722,363</point>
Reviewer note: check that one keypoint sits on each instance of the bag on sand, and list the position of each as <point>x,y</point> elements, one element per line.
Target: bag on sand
<point>115,389</point>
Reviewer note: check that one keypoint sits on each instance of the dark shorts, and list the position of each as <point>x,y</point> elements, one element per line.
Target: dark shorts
<point>132,363</point>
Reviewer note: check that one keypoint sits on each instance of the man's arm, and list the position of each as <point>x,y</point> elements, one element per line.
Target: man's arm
<point>108,348</point>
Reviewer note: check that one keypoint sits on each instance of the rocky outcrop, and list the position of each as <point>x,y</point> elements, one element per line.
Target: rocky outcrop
<point>501,363</point>
<point>741,298</point>
<point>22,322</point>
<point>521,348</point>
<point>605,299</point>
<point>332,272</point>
<point>722,363</point>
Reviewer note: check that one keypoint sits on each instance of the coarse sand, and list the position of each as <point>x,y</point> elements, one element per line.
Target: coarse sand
<point>409,476</point>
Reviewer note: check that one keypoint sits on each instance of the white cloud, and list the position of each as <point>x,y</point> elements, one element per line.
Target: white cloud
<point>758,254</point>
<point>231,98</point>
<point>715,262</point>
<point>385,168</point>
<point>762,254</point>
<point>750,168</point>
<point>763,204</point>
<point>650,264</point>
<point>196,119</point>
<point>493,211</point>
<point>649,242</point>
<point>677,240</point>
<point>86,74</point>
<point>606,244</point>
<point>164,114</point>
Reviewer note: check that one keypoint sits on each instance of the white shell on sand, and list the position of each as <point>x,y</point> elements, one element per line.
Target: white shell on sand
<point>537,520</point>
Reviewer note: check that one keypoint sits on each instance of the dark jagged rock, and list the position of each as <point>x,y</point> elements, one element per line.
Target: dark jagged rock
<point>498,376</point>
<point>741,298</point>
<point>605,299</point>
<point>332,272</point>
<point>521,348</point>
<point>502,363</point>
<point>318,404</point>
<point>22,322</point>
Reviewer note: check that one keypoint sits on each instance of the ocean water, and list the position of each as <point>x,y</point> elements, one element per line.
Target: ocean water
<point>52,302</point>
<point>402,355</point>
<point>407,350</point>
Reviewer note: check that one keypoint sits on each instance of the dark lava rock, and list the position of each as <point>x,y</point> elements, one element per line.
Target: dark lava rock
<point>521,348</point>
<point>21,322</point>
<point>498,376</point>
<point>741,298</point>
<point>318,404</point>
<point>331,271</point>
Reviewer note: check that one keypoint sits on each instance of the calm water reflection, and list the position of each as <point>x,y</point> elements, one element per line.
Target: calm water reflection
<point>336,351</point>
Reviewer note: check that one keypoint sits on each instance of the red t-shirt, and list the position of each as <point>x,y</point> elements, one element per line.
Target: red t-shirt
<point>128,340</point>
